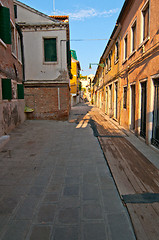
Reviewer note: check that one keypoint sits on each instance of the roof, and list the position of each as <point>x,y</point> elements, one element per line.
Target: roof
<point>61,18</point>
<point>35,11</point>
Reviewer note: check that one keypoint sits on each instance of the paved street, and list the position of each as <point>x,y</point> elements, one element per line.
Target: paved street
<point>55,184</point>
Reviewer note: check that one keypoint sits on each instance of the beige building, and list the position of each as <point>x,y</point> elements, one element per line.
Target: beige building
<point>127,87</point>
<point>47,62</point>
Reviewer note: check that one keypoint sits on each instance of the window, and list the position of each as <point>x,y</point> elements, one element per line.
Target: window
<point>124,97</point>
<point>50,51</point>
<point>13,44</point>
<point>19,48</point>
<point>109,60</point>
<point>116,51</point>
<point>106,64</point>
<point>133,39</point>
<point>145,22</point>
<point>5,29</point>
<point>6,89</point>
<point>126,47</point>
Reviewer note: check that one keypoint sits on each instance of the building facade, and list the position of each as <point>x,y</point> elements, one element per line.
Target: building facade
<point>74,81</point>
<point>47,64</point>
<point>11,70</point>
<point>127,87</point>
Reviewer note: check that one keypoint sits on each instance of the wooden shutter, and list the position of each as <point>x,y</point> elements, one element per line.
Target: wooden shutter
<point>20,91</point>
<point>6,89</point>
<point>50,50</point>
<point>5,28</point>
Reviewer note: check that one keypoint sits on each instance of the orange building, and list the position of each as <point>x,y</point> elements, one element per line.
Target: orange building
<point>127,87</point>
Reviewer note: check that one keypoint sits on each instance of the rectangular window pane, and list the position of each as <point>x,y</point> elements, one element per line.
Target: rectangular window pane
<point>50,51</point>
<point>116,51</point>
<point>146,23</point>
<point>126,43</point>
<point>124,97</point>
<point>134,37</point>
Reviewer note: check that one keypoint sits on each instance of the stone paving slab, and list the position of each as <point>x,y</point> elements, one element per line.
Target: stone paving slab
<point>56,185</point>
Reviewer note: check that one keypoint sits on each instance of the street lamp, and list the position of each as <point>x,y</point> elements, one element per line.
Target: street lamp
<point>99,64</point>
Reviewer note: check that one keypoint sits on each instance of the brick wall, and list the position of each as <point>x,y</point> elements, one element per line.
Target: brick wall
<point>48,101</point>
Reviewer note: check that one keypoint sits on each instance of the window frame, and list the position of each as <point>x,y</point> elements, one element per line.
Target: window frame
<point>19,49</point>
<point>125,97</point>
<point>125,47</point>
<point>133,46</point>
<point>109,60</point>
<point>13,43</point>
<point>106,64</point>
<point>50,62</point>
<point>143,9</point>
<point>116,59</point>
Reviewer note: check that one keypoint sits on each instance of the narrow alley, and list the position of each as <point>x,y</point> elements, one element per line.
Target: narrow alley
<point>55,184</point>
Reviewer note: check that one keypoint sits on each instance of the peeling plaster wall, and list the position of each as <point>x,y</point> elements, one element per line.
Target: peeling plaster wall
<point>11,115</point>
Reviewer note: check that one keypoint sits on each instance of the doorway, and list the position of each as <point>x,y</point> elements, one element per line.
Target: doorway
<point>155,132</point>
<point>116,100</point>
<point>132,107</point>
<point>143,109</point>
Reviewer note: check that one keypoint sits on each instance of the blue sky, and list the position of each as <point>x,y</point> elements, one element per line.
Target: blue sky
<point>89,19</point>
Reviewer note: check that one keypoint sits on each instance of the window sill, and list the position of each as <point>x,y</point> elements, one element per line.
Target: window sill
<point>131,54</point>
<point>20,62</point>
<point>13,54</point>
<point>116,61</point>
<point>2,43</point>
<point>50,63</point>
<point>144,42</point>
<point>124,61</point>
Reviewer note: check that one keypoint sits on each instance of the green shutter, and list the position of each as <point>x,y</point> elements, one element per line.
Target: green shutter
<point>6,89</point>
<point>5,28</point>
<point>20,91</point>
<point>50,50</point>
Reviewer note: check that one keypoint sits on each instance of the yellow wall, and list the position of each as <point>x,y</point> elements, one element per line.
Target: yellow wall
<point>74,80</point>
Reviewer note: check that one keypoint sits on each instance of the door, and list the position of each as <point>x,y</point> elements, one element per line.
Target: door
<point>155,133</point>
<point>110,101</point>
<point>116,100</point>
<point>106,101</point>
<point>132,107</point>
<point>143,109</point>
